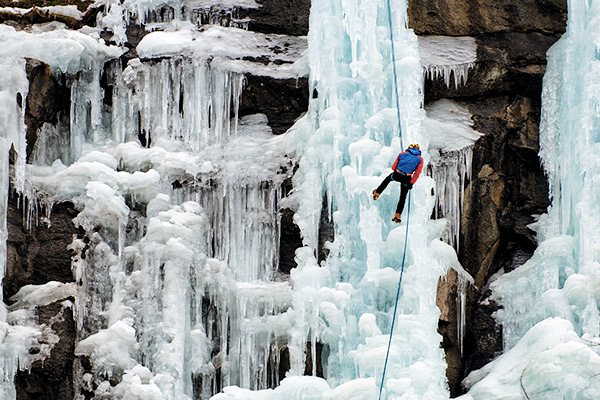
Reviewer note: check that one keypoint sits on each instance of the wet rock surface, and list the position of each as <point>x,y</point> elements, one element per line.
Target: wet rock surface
<point>37,256</point>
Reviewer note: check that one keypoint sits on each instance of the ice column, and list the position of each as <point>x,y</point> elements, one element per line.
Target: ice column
<point>346,303</point>
<point>569,142</point>
<point>200,279</point>
<point>450,128</point>
<point>451,172</point>
<point>13,92</point>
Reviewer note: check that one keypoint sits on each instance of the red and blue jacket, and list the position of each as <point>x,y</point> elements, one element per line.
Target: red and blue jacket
<point>409,162</point>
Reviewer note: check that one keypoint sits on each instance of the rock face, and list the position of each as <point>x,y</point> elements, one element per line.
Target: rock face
<point>288,17</point>
<point>47,100</point>
<point>37,256</point>
<point>53,378</point>
<point>503,93</point>
<point>281,100</point>
<point>37,16</point>
<point>468,18</point>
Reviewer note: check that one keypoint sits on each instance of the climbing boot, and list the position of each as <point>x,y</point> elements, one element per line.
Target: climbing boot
<point>375,195</point>
<point>396,218</point>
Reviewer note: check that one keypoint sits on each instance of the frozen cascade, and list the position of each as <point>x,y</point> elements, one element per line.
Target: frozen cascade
<point>197,101</point>
<point>351,134</point>
<point>451,172</point>
<point>451,149</point>
<point>22,333</point>
<point>164,299</point>
<point>13,86</point>
<point>176,292</point>
<point>168,290</point>
<point>227,298</point>
<point>550,313</point>
<point>158,14</point>
<point>452,139</point>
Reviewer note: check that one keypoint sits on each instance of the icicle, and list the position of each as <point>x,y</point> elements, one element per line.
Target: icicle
<point>451,173</point>
<point>461,305</point>
<point>446,57</point>
<point>195,101</point>
<point>4,187</point>
<point>459,73</point>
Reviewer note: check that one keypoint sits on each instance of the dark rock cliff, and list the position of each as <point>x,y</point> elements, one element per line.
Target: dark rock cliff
<point>37,256</point>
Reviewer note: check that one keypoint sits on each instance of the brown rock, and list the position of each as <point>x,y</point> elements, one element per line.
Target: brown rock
<point>38,255</point>
<point>38,16</point>
<point>509,62</point>
<point>468,17</point>
<point>52,378</point>
<point>483,341</point>
<point>45,101</point>
<point>485,171</point>
<point>281,100</point>
<point>447,327</point>
<point>286,17</point>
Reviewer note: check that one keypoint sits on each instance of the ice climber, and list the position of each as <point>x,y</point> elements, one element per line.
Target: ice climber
<point>406,170</point>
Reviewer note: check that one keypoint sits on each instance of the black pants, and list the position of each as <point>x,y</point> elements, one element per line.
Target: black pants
<point>404,188</point>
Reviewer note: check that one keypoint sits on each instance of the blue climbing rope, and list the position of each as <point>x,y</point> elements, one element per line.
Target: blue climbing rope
<point>387,354</point>
<point>395,73</point>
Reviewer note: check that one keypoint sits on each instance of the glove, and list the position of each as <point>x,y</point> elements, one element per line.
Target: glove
<point>409,185</point>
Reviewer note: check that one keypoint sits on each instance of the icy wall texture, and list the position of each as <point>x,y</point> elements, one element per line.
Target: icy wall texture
<point>140,297</point>
<point>175,291</point>
<point>519,112</point>
<point>345,303</point>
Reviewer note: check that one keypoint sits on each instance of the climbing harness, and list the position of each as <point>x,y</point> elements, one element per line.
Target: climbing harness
<point>408,209</point>
<point>387,354</point>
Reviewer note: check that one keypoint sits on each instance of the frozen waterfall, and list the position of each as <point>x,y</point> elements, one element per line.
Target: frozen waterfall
<point>177,289</point>
<point>345,304</point>
<point>177,293</point>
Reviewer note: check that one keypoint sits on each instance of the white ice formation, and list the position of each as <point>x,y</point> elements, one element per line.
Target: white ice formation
<point>447,57</point>
<point>451,150</point>
<point>177,291</point>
